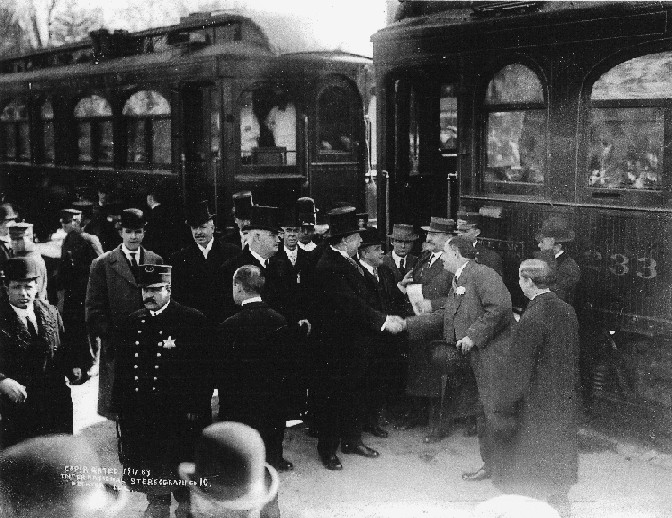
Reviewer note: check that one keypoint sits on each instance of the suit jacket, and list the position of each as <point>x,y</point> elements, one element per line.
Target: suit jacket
<point>293,294</point>
<point>345,320</point>
<point>435,280</point>
<point>479,308</point>
<point>195,279</point>
<point>112,294</point>
<point>383,292</point>
<point>535,407</point>
<point>388,261</point>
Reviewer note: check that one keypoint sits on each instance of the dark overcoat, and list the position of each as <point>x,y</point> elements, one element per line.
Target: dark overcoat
<point>195,279</point>
<point>41,366</point>
<point>112,294</point>
<point>162,232</point>
<point>535,406</point>
<point>161,375</point>
<point>568,275</point>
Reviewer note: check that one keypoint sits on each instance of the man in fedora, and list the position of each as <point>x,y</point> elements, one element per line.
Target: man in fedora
<point>229,478</point>
<point>423,381</point>
<point>468,226</point>
<point>195,267</point>
<point>113,293</point>
<point>161,391</point>
<point>346,322</point>
<point>35,399</point>
<point>78,251</point>
<point>400,260</point>
<point>552,236</point>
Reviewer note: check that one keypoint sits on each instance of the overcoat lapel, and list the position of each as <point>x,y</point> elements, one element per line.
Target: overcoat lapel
<point>120,265</point>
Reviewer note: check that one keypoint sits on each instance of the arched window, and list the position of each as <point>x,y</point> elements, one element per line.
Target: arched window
<point>47,121</point>
<point>336,118</point>
<point>15,132</point>
<point>628,111</point>
<point>147,117</point>
<point>515,131</point>
<point>94,130</point>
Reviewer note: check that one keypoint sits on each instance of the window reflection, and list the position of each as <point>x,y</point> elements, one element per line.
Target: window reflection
<point>147,118</point>
<point>15,131</point>
<point>335,117</point>
<point>94,130</point>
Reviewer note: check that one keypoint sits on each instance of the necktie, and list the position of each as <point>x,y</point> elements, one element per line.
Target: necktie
<point>134,265</point>
<point>402,265</point>
<point>31,327</point>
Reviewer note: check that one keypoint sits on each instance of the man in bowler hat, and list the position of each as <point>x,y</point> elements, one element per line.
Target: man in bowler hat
<point>21,236</point>
<point>113,293</point>
<point>195,266</point>
<point>346,323</point>
<point>468,224</point>
<point>161,391</point>
<point>34,399</point>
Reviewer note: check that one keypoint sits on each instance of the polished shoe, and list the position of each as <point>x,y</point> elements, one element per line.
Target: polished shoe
<point>376,431</point>
<point>481,473</point>
<point>282,464</point>
<point>331,462</point>
<point>359,449</point>
<point>436,435</point>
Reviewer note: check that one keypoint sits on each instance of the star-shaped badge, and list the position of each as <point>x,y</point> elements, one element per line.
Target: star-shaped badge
<point>169,343</point>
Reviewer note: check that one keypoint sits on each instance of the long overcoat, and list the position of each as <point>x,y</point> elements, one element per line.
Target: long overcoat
<point>41,366</point>
<point>535,406</point>
<point>161,375</point>
<point>112,294</point>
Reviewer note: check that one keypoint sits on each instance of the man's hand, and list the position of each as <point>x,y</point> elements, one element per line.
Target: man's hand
<point>408,278</point>
<point>306,325</point>
<point>465,344</point>
<point>76,374</point>
<point>394,324</point>
<point>14,390</point>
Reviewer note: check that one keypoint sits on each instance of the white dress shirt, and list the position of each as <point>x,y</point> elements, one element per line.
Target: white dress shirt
<point>292,254</point>
<point>206,250</point>
<point>26,314</point>
<point>262,261</point>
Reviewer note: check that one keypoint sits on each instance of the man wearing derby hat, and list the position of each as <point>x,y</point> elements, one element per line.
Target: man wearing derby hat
<point>161,391</point>
<point>228,477</point>
<point>34,397</point>
<point>551,238</point>
<point>78,251</point>
<point>468,227</point>
<point>21,236</point>
<point>195,267</point>
<point>400,259</point>
<point>306,218</point>
<point>346,323</point>
<point>113,293</point>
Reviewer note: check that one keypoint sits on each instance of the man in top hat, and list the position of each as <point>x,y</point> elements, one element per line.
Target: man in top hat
<point>242,213</point>
<point>306,216</point>
<point>36,483</point>
<point>195,267</point>
<point>400,260</point>
<point>230,457</point>
<point>113,293</point>
<point>253,356</point>
<point>551,238</point>
<point>161,391</point>
<point>34,361</point>
<point>21,236</point>
<point>468,227</point>
<point>78,251</point>
<point>345,325</point>
<point>423,381</point>
<point>161,229</point>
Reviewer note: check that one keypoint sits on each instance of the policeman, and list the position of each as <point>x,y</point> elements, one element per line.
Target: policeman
<point>160,391</point>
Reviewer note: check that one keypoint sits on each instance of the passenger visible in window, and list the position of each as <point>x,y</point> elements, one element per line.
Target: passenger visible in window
<point>281,121</point>
<point>249,133</point>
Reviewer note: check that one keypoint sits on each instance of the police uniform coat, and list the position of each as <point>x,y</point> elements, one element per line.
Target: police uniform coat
<point>112,294</point>
<point>388,261</point>
<point>40,364</point>
<point>195,278</point>
<point>160,377</point>
<point>535,406</point>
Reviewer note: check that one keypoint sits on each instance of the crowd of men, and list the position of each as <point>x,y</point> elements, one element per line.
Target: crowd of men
<point>334,332</point>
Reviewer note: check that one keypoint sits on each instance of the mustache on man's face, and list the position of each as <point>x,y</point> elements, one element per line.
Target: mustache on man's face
<point>148,300</point>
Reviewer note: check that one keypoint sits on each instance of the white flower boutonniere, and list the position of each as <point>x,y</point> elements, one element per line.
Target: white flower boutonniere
<point>460,290</point>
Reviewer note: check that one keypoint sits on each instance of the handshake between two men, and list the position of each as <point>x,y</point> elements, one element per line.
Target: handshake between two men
<point>395,324</point>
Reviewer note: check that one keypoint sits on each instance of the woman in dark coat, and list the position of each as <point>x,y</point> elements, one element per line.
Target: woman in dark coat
<point>535,410</point>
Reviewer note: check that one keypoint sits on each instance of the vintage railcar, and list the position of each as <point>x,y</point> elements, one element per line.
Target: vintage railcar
<point>210,106</point>
<point>521,110</point>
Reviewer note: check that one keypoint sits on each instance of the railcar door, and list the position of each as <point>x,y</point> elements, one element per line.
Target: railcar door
<point>336,149</point>
<point>423,158</point>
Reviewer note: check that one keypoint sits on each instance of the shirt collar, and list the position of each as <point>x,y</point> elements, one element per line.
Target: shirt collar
<point>308,247</point>
<point>206,250</point>
<point>128,252</point>
<point>251,300</point>
<point>368,268</point>
<point>397,259</point>
<point>342,252</point>
<point>559,253</point>
<point>24,313</point>
<point>291,252</point>
<point>459,270</point>
<point>540,293</point>
<point>159,311</point>
<point>261,260</point>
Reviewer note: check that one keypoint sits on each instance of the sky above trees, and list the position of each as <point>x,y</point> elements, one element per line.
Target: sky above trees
<point>327,24</point>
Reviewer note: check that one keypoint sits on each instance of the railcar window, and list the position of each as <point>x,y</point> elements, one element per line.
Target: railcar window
<point>94,130</point>
<point>267,128</point>
<point>15,132</point>
<point>147,117</point>
<point>448,120</point>
<point>629,109</point>
<point>47,119</point>
<point>515,132</point>
<point>335,121</point>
